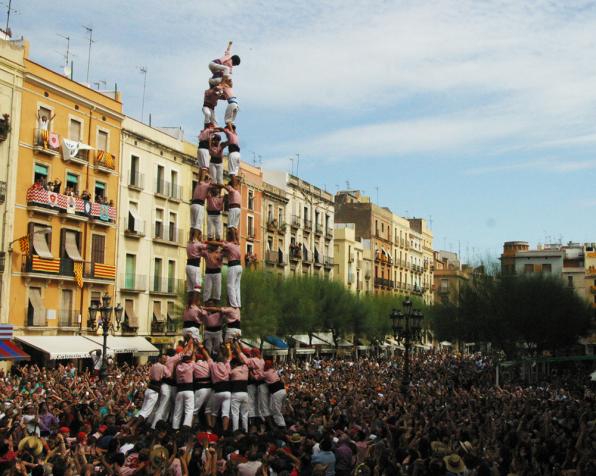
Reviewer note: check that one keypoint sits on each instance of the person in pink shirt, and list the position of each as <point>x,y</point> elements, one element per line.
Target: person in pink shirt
<point>213,322</point>
<point>216,154</point>
<point>234,207</point>
<point>239,398</point>
<point>210,99</point>
<point>197,203</point>
<point>215,204</point>
<point>231,317</point>
<point>185,398</point>
<point>202,382</point>
<point>221,68</point>
<point>204,142</point>
<point>157,373</point>
<point>233,149</point>
<point>220,378</point>
<point>193,316</point>
<point>212,285</point>
<point>258,400</point>
<point>167,391</point>
<point>232,108</point>
<point>231,250</point>
<point>277,392</point>
<point>194,250</point>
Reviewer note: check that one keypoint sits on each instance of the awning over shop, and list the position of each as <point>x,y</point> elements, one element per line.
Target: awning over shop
<point>304,339</point>
<point>446,343</point>
<point>72,250</point>
<point>10,351</point>
<point>302,351</point>
<point>127,345</point>
<point>61,347</point>
<point>277,342</point>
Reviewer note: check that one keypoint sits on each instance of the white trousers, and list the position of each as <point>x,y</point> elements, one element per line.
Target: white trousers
<point>276,404</point>
<point>213,340</point>
<point>167,396</point>
<point>233,163</point>
<point>149,401</point>
<point>263,400</point>
<point>212,287</point>
<point>253,404</point>
<point>214,226</point>
<point>185,403</point>
<point>193,278</point>
<point>233,285</point>
<point>203,158</point>
<point>220,401</point>
<point>201,398</point>
<point>209,116</point>
<point>231,112</point>
<point>232,332</point>
<point>216,173</point>
<point>239,410</point>
<point>234,218</point>
<point>197,216</point>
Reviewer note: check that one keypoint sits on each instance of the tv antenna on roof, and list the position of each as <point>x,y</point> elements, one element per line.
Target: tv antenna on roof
<point>91,41</point>
<point>99,83</point>
<point>143,70</point>
<point>9,10</point>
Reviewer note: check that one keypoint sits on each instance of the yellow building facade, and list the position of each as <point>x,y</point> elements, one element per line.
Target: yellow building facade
<point>65,220</point>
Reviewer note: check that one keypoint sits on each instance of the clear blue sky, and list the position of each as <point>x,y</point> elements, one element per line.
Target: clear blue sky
<point>479,114</point>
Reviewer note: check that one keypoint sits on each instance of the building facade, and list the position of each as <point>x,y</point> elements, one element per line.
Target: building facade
<point>449,276</point>
<point>156,184</point>
<point>276,251</point>
<point>66,196</point>
<point>352,259</point>
<point>12,55</point>
<point>252,227</point>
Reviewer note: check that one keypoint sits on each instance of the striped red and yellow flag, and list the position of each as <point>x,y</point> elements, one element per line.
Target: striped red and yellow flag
<point>78,273</point>
<point>45,265</point>
<point>24,244</point>
<point>105,271</point>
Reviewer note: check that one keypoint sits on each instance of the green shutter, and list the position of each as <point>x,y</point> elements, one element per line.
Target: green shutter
<point>41,169</point>
<point>72,178</point>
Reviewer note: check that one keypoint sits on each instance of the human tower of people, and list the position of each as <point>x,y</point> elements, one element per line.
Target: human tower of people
<point>215,377</point>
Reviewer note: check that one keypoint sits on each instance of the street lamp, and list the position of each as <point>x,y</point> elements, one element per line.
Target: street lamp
<point>407,326</point>
<point>105,323</point>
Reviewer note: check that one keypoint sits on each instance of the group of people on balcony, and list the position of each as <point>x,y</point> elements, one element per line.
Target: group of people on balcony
<point>56,185</point>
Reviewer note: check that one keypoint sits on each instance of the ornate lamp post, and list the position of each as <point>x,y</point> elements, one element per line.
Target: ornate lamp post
<point>106,325</point>
<point>407,326</point>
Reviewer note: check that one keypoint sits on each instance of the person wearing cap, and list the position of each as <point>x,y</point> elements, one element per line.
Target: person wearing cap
<point>201,382</point>
<point>157,373</point>
<point>239,396</point>
<point>212,281</point>
<point>233,149</point>
<point>257,409</point>
<point>203,149</point>
<point>210,98</point>
<point>220,380</point>
<point>221,68</point>
<point>167,390</point>
<point>215,203</point>
<point>216,149</point>
<point>277,392</point>
<point>185,398</point>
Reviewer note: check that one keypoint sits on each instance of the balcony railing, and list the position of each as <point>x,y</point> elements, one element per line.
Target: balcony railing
<point>328,261</point>
<point>133,228</point>
<point>46,142</point>
<point>307,224</point>
<point>65,267</point>
<point>271,224</point>
<point>136,180</point>
<point>133,282</point>
<point>295,221</point>
<point>167,285</point>
<point>295,254</point>
<point>318,261</point>
<point>32,321</point>
<point>271,257</point>
<point>175,192</point>
<point>382,282</point>
<point>161,188</point>
<point>105,160</point>
<point>318,229</point>
<point>307,257</point>
<point>167,234</point>
<point>329,232</point>
<point>68,318</point>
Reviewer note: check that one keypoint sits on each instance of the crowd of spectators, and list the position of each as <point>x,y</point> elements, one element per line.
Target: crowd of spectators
<point>343,417</point>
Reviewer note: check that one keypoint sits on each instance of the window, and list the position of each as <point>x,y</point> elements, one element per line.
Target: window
<point>174,184</point>
<point>44,113</point>
<point>547,268</point>
<point>102,140</point>
<point>444,284</point>
<point>95,299</point>
<point>269,243</point>
<point>171,311</point>
<point>42,242</point>
<point>172,232</point>
<point>316,218</point>
<point>135,177</point>
<point>100,191</point>
<point>195,180</point>
<point>251,226</point>
<point>129,276</point>
<point>382,227</point>
<point>280,245</point>
<point>75,128</point>
<point>40,173</point>
<point>280,216</point>
<point>305,215</point>
<point>157,274</point>
<point>251,200</point>
<point>171,276</point>
<point>570,281</point>
<point>376,227</point>
<point>72,183</point>
<point>160,185</point>
<point>98,246</point>
<point>158,232</point>
<point>36,313</point>
<point>66,317</point>
<point>269,212</point>
<point>528,268</point>
<point>249,248</point>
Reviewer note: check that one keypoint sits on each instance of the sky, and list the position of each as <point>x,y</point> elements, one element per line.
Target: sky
<point>478,116</point>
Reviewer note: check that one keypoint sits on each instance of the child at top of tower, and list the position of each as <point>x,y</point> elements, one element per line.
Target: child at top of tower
<point>221,68</point>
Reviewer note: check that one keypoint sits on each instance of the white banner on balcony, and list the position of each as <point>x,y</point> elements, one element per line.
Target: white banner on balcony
<point>70,148</point>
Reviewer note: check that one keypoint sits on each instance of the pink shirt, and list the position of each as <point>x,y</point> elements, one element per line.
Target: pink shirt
<point>195,249</point>
<point>193,314</point>
<point>213,319</point>
<point>171,363</point>
<point>239,373</point>
<point>212,95</point>
<point>271,376</point>
<point>232,250</point>
<point>215,204</point>
<point>234,197</point>
<point>255,364</point>
<point>200,190</point>
<point>220,371</point>
<point>159,371</point>
<point>201,369</point>
<point>184,372</point>
<point>213,259</point>
<point>232,136</point>
<point>232,314</point>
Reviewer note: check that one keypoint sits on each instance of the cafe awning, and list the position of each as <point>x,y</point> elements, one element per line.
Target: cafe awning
<point>10,351</point>
<point>61,347</point>
<point>127,345</point>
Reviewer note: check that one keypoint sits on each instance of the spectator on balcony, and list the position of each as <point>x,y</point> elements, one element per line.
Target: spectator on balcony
<point>215,203</point>
<point>44,124</point>
<point>216,148</point>
<point>56,185</point>
<point>86,196</point>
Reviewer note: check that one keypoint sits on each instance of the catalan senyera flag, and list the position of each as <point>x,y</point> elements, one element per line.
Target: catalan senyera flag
<point>24,244</point>
<point>104,271</point>
<point>78,273</point>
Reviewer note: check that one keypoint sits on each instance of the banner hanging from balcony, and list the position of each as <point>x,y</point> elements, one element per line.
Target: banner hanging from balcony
<point>38,196</point>
<point>70,148</point>
<point>78,273</point>
<point>24,244</point>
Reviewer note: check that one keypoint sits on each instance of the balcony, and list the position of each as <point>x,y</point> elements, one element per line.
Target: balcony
<point>133,283</point>
<point>295,222</point>
<point>175,192</point>
<point>318,229</point>
<point>295,254</point>
<point>68,318</point>
<point>98,272</point>
<point>318,262</point>
<point>161,188</point>
<point>328,262</point>
<point>271,224</point>
<point>81,157</point>
<point>50,146</point>
<point>61,268</point>
<point>271,257</point>
<point>167,235</point>
<point>329,233</point>
<point>39,200</point>
<point>167,286</point>
<point>384,283</point>
<point>133,228</point>
<point>307,225</point>
<point>307,258</point>
<point>250,235</point>
<point>136,180</point>
<point>105,162</point>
